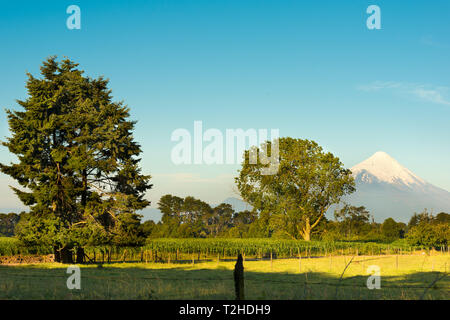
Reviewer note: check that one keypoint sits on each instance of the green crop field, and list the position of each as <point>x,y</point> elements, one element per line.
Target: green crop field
<point>265,247</point>
<point>187,249</point>
<point>402,277</point>
<point>166,250</point>
<point>12,246</point>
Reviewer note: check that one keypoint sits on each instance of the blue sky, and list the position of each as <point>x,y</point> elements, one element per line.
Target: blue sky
<point>309,68</point>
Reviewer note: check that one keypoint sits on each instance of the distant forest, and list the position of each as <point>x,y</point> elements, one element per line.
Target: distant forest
<point>192,218</point>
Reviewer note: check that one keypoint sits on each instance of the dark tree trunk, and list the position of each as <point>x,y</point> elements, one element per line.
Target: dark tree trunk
<point>57,254</point>
<point>66,255</point>
<point>80,255</point>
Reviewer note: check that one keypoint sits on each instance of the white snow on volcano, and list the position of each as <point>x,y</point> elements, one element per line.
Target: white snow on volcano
<point>388,189</point>
<point>386,169</point>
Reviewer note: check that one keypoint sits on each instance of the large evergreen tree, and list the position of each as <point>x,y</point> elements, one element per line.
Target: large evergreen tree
<point>77,161</point>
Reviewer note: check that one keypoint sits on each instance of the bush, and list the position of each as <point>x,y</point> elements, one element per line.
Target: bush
<point>392,230</point>
<point>429,235</point>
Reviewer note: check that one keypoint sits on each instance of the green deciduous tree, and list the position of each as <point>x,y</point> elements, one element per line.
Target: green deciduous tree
<point>352,219</point>
<point>219,219</point>
<point>77,161</point>
<point>242,221</point>
<point>392,230</point>
<point>418,218</point>
<point>424,229</point>
<point>296,197</point>
<point>429,235</point>
<point>183,217</point>
<point>442,217</point>
<point>8,223</point>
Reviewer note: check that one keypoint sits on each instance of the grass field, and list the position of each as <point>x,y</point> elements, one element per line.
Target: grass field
<point>402,277</point>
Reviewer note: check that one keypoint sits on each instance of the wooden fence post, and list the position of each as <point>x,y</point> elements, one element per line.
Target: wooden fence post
<point>271,260</point>
<point>331,262</point>
<point>299,262</point>
<point>239,278</point>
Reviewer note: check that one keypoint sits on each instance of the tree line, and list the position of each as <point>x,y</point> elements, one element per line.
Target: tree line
<point>192,218</point>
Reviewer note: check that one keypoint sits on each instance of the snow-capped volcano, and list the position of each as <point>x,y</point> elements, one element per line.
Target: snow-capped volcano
<point>384,168</point>
<point>388,189</point>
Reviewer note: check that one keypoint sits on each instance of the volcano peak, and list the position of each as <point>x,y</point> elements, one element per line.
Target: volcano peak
<point>385,168</point>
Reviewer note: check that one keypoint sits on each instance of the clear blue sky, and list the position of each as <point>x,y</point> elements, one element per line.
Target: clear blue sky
<point>310,68</point>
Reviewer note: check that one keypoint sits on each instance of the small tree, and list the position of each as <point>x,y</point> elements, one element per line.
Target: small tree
<point>241,223</point>
<point>392,230</point>
<point>429,235</point>
<point>298,195</point>
<point>442,217</point>
<point>422,217</point>
<point>352,218</point>
<point>220,219</point>
<point>183,217</point>
<point>8,223</point>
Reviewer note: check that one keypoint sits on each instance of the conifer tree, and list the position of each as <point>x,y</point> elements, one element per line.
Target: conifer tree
<point>77,161</point>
